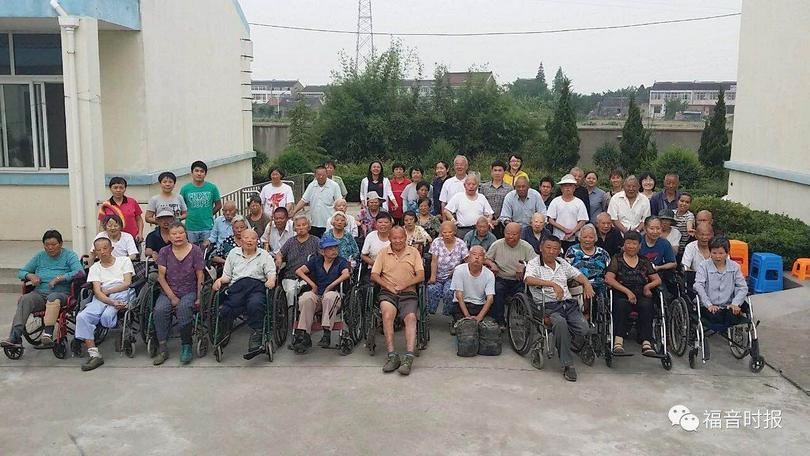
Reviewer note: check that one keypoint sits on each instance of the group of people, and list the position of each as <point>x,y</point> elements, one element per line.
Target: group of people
<point>474,244</point>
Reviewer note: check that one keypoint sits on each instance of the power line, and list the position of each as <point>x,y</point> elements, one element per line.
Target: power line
<point>524,32</point>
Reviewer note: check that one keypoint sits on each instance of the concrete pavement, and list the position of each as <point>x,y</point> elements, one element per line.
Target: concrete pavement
<point>328,404</point>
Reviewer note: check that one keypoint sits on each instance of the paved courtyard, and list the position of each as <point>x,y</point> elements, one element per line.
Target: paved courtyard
<point>323,403</point>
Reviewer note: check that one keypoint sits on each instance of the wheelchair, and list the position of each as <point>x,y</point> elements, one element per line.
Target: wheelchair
<point>678,309</point>
<point>129,320</point>
<point>65,323</point>
<point>742,337</point>
<point>529,328</point>
<point>347,317</point>
<point>373,318</point>
<point>199,335</point>
<point>659,324</point>
<point>270,325</point>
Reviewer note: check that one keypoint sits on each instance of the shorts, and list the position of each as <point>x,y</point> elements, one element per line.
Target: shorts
<point>198,237</point>
<point>405,303</point>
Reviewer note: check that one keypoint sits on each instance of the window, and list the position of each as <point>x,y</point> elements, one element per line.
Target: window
<point>5,55</point>
<point>32,126</point>
<point>37,54</point>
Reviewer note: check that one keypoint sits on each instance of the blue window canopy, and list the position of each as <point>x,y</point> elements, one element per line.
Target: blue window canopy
<point>117,14</point>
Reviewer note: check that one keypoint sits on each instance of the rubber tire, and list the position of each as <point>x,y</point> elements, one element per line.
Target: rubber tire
<point>757,364</point>
<point>519,302</point>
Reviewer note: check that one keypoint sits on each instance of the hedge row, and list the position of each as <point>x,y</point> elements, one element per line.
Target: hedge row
<point>763,231</point>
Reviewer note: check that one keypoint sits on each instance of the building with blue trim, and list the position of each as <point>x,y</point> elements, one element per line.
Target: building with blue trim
<point>91,89</point>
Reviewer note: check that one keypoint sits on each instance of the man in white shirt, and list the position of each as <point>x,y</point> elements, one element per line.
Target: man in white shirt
<point>278,232</point>
<point>111,278</point>
<point>467,207</point>
<point>547,277</point>
<point>629,208</point>
<point>567,213</point>
<point>377,240</point>
<point>455,184</point>
<point>473,287</point>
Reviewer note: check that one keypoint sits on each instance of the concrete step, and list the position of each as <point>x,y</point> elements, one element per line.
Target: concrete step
<point>9,282</point>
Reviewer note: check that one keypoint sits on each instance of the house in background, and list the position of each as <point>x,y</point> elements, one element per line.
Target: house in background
<point>456,80</point>
<point>770,154</point>
<point>91,90</point>
<point>699,96</point>
<point>265,90</point>
<point>612,107</point>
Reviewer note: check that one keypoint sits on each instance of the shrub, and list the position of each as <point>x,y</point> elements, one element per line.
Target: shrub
<point>607,157</point>
<point>763,231</point>
<point>293,163</point>
<point>261,164</point>
<point>680,161</point>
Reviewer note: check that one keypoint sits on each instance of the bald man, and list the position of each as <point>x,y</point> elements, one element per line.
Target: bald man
<point>473,287</point>
<point>507,259</point>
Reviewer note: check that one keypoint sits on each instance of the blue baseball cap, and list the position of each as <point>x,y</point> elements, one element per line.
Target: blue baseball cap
<point>328,241</point>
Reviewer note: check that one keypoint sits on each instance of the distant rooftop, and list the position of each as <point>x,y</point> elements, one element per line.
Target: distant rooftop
<point>693,85</point>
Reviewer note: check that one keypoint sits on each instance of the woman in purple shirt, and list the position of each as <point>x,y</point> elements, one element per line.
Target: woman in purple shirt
<point>180,274</point>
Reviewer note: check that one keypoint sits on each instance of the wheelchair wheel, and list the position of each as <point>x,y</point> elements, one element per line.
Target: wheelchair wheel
<point>33,329</point>
<point>519,323</point>
<point>76,348</point>
<point>693,357</point>
<point>14,353</point>
<point>738,341</point>
<point>678,326</point>
<point>346,344</point>
<point>201,347</point>
<point>128,347</point>
<point>756,364</point>
<point>218,354</point>
<point>280,317</point>
<point>609,358</point>
<point>152,345</point>
<point>60,348</point>
<point>666,362</point>
<point>100,334</point>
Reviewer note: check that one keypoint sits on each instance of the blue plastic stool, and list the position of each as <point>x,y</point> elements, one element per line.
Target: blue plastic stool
<point>766,272</point>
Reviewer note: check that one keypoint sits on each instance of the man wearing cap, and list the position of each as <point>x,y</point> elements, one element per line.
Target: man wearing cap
<point>323,273</point>
<point>250,271</point>
<point>368,215</point>
<point>398,269</point>
<point>320,195</point>
<point>668,197</point>
<point>629,208</point>
<point>522,203</point>
<point>567,213</point>
<point>159,237</point>
<point>507,259</point>
<point>467,207</point>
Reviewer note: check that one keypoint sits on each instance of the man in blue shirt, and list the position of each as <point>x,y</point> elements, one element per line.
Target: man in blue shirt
<point>668,197</point>
<point>323,273</point>
<point>521,204</point>
<point>223,225</point>
<point>50,271</point>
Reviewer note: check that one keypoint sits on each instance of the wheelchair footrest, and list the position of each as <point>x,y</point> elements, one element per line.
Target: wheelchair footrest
<point>622,355</point>
<point>252,354</point>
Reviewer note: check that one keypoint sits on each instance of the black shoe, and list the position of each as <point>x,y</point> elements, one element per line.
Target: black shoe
<point>392,363</point>
<point>326,339</point>
<point>570,373</point>
<point>302,343</point>
<point>255,341</point>
<point>92,363</point>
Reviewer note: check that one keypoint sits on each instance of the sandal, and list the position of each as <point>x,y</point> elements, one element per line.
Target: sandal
<point>647,349</point>
<point>618,348</point>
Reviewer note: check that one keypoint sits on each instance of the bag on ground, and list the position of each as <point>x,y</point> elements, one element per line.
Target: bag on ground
<point>489,337</point>
<point>467,337</point>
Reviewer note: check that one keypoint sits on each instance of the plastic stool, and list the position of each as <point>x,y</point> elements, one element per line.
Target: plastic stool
<point>801,268</point>
<point>766,272</point>
<point>739,254</point>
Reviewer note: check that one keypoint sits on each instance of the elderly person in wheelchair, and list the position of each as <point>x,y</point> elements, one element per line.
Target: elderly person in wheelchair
<point>547,277</point>
<point>323,273</point>
<point>112,280</point>
<point>249,270</point>
<point>633,279</point>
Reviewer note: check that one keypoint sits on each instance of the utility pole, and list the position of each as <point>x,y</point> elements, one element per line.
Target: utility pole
<point>365,34</point>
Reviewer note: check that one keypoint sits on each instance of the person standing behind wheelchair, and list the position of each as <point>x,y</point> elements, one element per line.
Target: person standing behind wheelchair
<point>547,277</point>
<point>180,274</point>
<point>323,273</point>
<point>111,278</point>
<point>249,270</point>
<point>633,280</point>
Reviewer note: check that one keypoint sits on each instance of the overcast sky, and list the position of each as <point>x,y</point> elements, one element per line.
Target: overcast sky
<point>595,60</point>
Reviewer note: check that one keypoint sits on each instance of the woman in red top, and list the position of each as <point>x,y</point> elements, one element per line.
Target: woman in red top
<point>126,208</point>
<point>398,184</point>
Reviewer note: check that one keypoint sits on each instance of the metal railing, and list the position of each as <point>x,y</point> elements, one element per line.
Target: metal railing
<point>241,196</point>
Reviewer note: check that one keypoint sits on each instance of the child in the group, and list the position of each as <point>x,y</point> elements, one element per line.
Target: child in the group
<point>166,200</point>
<point>202,199</point>
<point>720,284</point>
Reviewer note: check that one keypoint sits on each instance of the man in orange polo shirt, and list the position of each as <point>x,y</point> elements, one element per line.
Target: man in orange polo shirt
<point>397,270</point>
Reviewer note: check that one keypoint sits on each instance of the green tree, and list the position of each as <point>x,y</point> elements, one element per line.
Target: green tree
<point>562,147</point>
<point>714,146</point>
<point>673,106</point>
<point>635,140</point>
<point>559,80</point>
<point>540,82</point>
<point>607,157</point>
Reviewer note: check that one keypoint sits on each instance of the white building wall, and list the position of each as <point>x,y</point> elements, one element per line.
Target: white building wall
<point>770,155</point>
